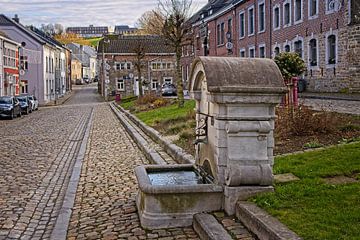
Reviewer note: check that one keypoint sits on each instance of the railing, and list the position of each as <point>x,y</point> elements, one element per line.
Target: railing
<point>291,97</point>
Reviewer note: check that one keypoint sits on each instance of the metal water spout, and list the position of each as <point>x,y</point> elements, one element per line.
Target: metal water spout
<point>200,140</point>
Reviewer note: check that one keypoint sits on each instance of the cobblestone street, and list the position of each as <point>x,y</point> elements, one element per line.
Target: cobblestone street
<point>37,155</point>
<point>105,200</point>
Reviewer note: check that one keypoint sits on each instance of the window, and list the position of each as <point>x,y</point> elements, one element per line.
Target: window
<point>276,16</point>
<point>24,63</point>
<point>287,48</point>
<point>222,27</point>
<point>313,8</point>
<point>242,52</point>
<point>229,27</point>
<point>298,10</point>
<point>154,84</point>
<point>276,51</point>
<point>331,49</point>
<point>298,47</point>
<point>261,7</point>
<point>220,33</point>
<point>167,80</point>
<point>262,53</point>
<point>252,52</point>
<point>313,52</point>
<point>251,26</point>
<point>287,14</point>
<point>120,84</point>
<point>24,86</point>
<point>242,24</point>
<point>331,6</point>
<point>47,64</point>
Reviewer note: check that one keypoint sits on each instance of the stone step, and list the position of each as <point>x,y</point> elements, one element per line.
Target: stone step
<point>208,228</point>
<point>262,224</point>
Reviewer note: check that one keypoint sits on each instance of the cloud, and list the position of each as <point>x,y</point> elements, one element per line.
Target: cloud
<point>80,12</point>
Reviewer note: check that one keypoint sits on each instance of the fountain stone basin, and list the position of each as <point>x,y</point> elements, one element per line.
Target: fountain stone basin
<point>170,195</point>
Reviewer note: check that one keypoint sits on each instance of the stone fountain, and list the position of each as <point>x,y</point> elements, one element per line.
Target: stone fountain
<point>235,112</point>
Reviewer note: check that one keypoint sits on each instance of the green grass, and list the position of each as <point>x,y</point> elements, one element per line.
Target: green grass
<point>311,207</point>
<point>94,41</point>
<point>165,113</point>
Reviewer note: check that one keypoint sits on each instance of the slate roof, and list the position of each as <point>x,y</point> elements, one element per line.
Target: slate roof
<point>127,44</point>
<point>5,21</point>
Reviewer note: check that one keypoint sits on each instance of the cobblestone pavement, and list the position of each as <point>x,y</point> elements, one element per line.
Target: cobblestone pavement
<point>105,201</point>
<point>341,106</point>
<point>36,157</point>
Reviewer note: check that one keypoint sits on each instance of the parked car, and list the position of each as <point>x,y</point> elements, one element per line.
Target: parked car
<point>86,80</point>
<point>34,102</point>
<point>25,104</point>
<point>9,107</point>
<point>168,89</point>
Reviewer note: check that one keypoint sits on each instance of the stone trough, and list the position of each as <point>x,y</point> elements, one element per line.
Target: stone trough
<point>235,112</point>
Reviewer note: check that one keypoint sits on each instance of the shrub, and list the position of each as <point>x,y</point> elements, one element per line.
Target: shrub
<point>290,64</point>
<point>146,99</point>
<point>302,121</point>
<point>160,102</point>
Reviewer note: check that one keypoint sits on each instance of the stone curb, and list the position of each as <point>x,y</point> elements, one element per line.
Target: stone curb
<point>315,149</point>
<point>207,227</point>
<point>336,98</point>
<point>60,101</point>
<point>150,154</point>
<point>262,224</point>
<point>173,150</point>
<point>62,222</point>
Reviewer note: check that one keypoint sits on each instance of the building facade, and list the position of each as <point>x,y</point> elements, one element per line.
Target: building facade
<point>124,30</point>
<point>324,33</point>
<point>88,57</point>
<point>9,67</point>
<point>76,69</point>
<point>119,58</point>
<point>40,56</point>
<point>88,32</point>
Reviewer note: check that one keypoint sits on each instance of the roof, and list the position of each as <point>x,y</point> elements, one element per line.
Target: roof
<point>127,44</point>
<point>214,5</point>
<point>124,28</point>
<point>5,21</point>
<point>233,74</point>
<point>45,37</point>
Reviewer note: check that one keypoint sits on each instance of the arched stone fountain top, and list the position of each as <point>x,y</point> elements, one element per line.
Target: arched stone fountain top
<point>236,75</point>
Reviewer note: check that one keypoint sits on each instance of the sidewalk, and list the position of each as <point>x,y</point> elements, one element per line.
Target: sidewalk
<point>331,96</point>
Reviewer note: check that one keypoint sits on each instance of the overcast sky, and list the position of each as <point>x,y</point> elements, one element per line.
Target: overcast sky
<point>80,12</point>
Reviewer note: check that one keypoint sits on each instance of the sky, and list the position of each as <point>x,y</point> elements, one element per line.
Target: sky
<point>80,12</point>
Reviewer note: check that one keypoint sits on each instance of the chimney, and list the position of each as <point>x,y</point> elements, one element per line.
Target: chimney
<point>16,18</point>
<point>81,48</point>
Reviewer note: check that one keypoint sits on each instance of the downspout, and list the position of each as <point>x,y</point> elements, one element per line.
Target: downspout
<point>270,28</point>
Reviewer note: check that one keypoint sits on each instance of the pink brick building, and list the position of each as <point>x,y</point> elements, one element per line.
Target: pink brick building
<point>325,33</point>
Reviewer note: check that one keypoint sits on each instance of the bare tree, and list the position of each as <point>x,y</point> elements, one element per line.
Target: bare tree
<point>170,21</point>
<point>139,51</point>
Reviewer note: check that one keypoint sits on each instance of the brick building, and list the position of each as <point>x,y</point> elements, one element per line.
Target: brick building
<point>88,32</point>
<point>325,33</point>
<point>118,73</point>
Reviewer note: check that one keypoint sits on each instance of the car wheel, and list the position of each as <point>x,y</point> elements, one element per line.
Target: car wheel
<point>27,111</point>
<point>19,114</point>
<point>12,115</point>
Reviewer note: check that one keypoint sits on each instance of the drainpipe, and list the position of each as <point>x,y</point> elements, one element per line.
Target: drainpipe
<point>270,28</point>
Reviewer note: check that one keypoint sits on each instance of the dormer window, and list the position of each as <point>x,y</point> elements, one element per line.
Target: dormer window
<point>210,12</point>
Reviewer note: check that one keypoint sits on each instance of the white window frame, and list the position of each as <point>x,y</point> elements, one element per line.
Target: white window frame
<point>120,82</point>
<point>253,19</point>
<point>287,43</point>
<point>317,10</point>
<point>242,13</point>
<point>165,78</point>
<point>242,50</point>
<point>262,45</point>
<point>276,46</point>
<point>152,84</point>
<point>261,30</point>
<point>251,48</point>
<point>335,33</point>
<point>317,53</point>
<point>298,38</point>
<point>327,11</point>
<point>290,13</point>
<point>274,27</point>
<point>301,12</point>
